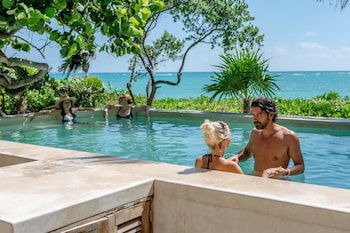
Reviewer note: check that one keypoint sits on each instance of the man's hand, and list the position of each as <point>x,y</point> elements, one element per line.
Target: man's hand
<point>234,158</point>
<point>275,172</point>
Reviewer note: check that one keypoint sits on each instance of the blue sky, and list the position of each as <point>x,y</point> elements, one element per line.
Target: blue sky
<point>300,35</point>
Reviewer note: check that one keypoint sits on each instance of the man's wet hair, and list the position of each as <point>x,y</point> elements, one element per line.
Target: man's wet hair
<point>267,104</point>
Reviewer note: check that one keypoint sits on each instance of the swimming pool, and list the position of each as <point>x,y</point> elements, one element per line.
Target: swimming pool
<point>179,141</point>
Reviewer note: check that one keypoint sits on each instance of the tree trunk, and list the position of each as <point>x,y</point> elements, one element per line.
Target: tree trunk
<point>151,96</point>
<point>246,105</point>
<point>21,104</point>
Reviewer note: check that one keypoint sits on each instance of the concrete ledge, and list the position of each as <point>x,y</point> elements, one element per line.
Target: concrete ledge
<point>319,122</point>
<point>45,195</point>
<point>91,115</point>
<point>48,194</point>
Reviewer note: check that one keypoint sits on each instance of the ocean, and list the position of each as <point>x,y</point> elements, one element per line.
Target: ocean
<point>293,84</point>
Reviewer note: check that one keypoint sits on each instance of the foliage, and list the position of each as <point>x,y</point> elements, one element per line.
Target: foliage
<point>221,23</point>
<point>338,3</point>
<point>88,91</point>
<point>70,24</point>
<point>328,105</point>
<point>243,74</point>
<point>40,99</point>
<point>201,103</point>
<point>319,106</point>
<point>85,89</point>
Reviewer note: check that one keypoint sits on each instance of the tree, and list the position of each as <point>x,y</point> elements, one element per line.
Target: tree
<point>338,3</point>
<point>223,23</point>
<point>72,25</point>
<point>242,74</point>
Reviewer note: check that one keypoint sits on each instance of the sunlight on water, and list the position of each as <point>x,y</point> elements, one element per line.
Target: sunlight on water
<point>177,141</point>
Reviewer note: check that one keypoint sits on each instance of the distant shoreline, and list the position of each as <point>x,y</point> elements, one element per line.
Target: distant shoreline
<point>165,72</point>
<point>293,84</point>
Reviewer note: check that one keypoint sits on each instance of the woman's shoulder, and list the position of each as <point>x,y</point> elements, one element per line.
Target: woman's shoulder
<point>231,166</point>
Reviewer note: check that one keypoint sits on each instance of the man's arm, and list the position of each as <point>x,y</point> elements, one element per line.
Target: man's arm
<point>295,154</point>
<point>241,156</point>
<point>245,153</point>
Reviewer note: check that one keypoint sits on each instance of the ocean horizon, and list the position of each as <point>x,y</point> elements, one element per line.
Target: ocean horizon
<point>293,84</point>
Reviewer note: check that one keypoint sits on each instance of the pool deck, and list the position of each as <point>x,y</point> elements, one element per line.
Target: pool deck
<point>47,190</point>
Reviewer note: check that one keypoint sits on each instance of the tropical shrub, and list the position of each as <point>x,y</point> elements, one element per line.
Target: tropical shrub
<point>243,74</point>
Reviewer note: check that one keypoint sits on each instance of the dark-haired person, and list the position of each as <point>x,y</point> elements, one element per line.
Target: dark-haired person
<point>67,113</point>
<point>272,145</point>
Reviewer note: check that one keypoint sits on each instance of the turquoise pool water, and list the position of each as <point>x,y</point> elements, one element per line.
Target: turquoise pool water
<point>179,141</point>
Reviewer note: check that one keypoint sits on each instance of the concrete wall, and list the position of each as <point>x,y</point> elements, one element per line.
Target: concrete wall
<point>190,208</point>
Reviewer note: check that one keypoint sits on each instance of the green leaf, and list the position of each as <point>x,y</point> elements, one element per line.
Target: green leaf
<point>50,12</point>
<point>8,3</point>
<point>38,27</point>
<point>60,4</point>
<point>34,18</point>
<point>25,47</point>
<point>133,21</point>
<point>157,6</point>
<point>11,12</point>
<point>105,29</point>
<point>76,17</point>
<point>25,7</point>
<point>88,28</point>
<point>21,18</point>
<point>146,13</point>
<point>54,35</point>
<point>73,49</point>
<point>80,40</point>
<point>121,11</point>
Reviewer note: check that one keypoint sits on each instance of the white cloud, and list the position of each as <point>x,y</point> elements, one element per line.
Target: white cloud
<point>345,49</point>
<point>311,45</point>
<point>311,34</point>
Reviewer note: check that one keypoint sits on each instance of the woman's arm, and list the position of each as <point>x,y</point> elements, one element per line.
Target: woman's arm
<point>110,106</point>
<point>53,112</point>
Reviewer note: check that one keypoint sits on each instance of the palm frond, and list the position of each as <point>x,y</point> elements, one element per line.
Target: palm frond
<point>242,74</point>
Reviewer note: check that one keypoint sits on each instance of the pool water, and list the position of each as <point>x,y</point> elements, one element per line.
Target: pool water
<point>179,141</point>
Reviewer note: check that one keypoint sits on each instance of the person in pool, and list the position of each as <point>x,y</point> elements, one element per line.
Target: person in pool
<point>67,112</point>
<point>217,136</point>
<point>124,108</point>
<point>63,110</point>
<point>272,145</point>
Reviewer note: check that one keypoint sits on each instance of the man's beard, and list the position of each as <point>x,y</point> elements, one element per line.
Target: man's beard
<point>259,125</point>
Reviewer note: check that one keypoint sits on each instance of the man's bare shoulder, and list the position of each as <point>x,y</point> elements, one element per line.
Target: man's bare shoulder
<point>288,132</point>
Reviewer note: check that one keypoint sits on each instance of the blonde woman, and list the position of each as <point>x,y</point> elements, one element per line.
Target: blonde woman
<point>217,137</point>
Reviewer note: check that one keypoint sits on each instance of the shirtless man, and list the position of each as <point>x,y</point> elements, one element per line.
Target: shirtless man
<point>271,144</point>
